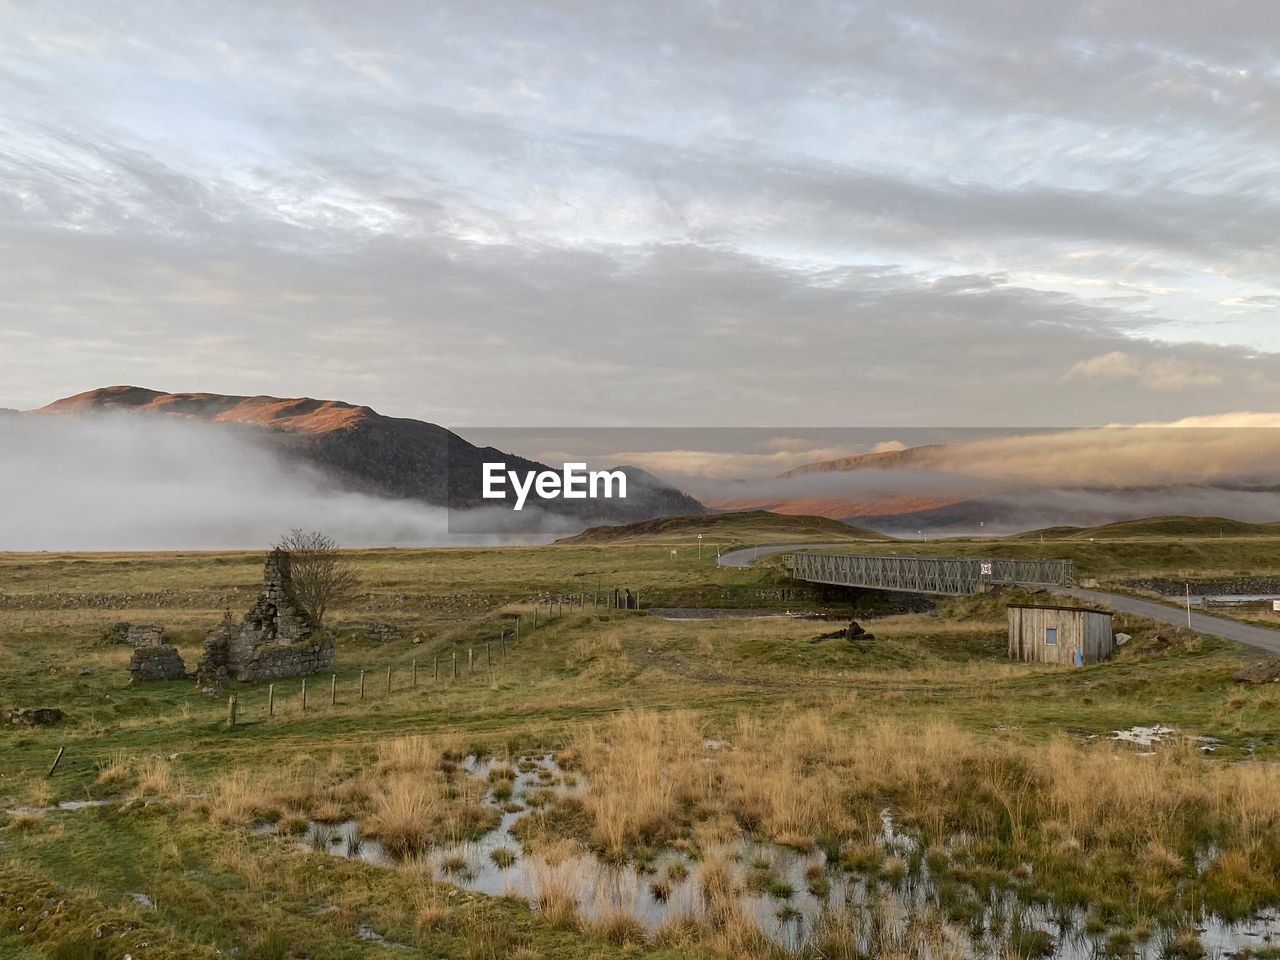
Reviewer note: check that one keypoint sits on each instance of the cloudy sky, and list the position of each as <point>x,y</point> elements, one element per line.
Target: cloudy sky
<point>911,212</point>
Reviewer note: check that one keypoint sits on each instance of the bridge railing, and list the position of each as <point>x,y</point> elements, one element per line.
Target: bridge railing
<point>955,576</point>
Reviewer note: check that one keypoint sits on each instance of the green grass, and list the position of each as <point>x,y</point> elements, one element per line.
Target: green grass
<point>219,888</point>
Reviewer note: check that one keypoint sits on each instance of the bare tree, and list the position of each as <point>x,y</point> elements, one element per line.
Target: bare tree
<point>322,577</point>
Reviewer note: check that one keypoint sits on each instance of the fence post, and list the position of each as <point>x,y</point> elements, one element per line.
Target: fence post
<point>388,679</point>
<point>471,659</point>
<point>488,655</point>
<point>435,667</point>
<point>271,699</point>
<point>455,664</point>
<point>333,690</point>
<point>304,694</point>
<point>56,760</point>
<point>361,684</point>
<point>517,639</point>
<point>415,673</point>
<point>231,710</point>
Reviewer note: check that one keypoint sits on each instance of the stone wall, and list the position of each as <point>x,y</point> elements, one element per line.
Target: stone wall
<point>275,638</point>
<point>288,660</point>
<point>154,657</point>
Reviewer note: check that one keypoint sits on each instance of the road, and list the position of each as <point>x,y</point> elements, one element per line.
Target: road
<point>1260,638</point>
<point>748,555</point>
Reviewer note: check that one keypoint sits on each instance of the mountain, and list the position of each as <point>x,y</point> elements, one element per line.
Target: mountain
<point>924,457</point>
<point>749,526</point>
<point>929,489</point>
<point>362,450</point>
<point>1160,528</point>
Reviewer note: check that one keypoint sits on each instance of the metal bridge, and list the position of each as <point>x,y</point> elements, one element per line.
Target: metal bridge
<point>953,576</point>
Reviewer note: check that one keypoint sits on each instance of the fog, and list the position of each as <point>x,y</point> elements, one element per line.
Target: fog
<point>158,483</point>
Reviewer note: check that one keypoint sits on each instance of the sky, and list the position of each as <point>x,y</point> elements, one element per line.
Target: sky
<point>486,213</point>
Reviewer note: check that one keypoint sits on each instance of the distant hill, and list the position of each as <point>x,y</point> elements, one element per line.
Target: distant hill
<point>751,525</point>
<point>1158,527</point>
<point>923,457</point>
<point>362,450</point>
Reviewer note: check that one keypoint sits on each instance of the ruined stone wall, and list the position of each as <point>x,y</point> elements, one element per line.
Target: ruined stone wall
<point>288,660</point>
<point>275,638</point>
<point>154,657</point>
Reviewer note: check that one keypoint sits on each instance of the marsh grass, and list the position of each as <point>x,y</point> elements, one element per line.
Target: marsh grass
<point>1077,813</point>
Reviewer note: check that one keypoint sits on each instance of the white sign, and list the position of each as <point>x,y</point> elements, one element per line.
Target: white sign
<point>1275,605</point>
<point>987,568</point>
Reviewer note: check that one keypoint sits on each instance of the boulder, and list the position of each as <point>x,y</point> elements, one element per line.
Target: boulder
<point>34,716</point>
<point>1263,671</point>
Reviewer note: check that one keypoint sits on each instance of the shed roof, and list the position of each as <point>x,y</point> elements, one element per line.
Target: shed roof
<point>1056,606</point>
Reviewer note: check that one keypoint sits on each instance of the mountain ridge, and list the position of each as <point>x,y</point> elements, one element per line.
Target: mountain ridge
<point>365,451</point>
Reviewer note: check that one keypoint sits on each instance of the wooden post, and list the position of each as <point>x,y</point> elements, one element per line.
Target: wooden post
<point>535,616</point>
<point>415,673</point>
<point>435,667</point>
<point>304,694</point>
<point>488,656</point>
<point>637,599</point>
<point>471,659</point>
<point>231,710</point>
<point>333,690</point>
<point>388,679</point>
<point>517,639</point>
<point>56,760</point>
<point>361,684</point>
<point>455,664</point>
<point>271,699</point>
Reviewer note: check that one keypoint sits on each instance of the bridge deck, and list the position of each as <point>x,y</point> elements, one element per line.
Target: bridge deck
<point>952,576</point>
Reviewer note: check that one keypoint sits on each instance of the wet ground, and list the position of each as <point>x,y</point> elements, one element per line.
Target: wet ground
<point>787,892</point>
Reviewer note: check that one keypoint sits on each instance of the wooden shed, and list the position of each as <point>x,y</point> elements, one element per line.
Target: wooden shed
<point>1071,636</point>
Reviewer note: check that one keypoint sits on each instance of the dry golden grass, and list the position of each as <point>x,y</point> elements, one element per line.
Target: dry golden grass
<point>557,887</point>
<point>794,780</point>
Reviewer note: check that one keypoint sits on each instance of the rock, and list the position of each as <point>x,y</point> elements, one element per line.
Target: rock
<point>852,632</point>
<point>84,671</point>
<point>381,632</point>
<point>34,716</point>
<point>1264,671</point>
<point>156,662</point>
<point>1122,639</point>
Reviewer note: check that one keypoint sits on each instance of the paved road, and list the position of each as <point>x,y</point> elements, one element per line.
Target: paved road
<point>1260,638</point>
<point>747,555</point>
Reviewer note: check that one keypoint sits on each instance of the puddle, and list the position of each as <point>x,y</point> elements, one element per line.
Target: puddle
<point>370,935</point>
<point>64,805</point>
<point>723,613</point>
<point>788,893</point>
<point>1154,735</point>
<point>1143,736</point>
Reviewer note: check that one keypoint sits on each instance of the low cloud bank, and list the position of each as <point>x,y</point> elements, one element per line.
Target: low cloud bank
<point>159,483</point>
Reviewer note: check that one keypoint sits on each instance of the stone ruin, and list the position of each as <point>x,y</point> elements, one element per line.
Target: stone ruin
<point>275,638</point>
<point>154,657</point>
<point>382,632</point>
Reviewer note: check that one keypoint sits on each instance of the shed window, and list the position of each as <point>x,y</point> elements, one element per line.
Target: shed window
<point>1051,635</point>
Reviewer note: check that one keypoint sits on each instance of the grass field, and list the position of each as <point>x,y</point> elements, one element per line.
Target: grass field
<point>699,756</point>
